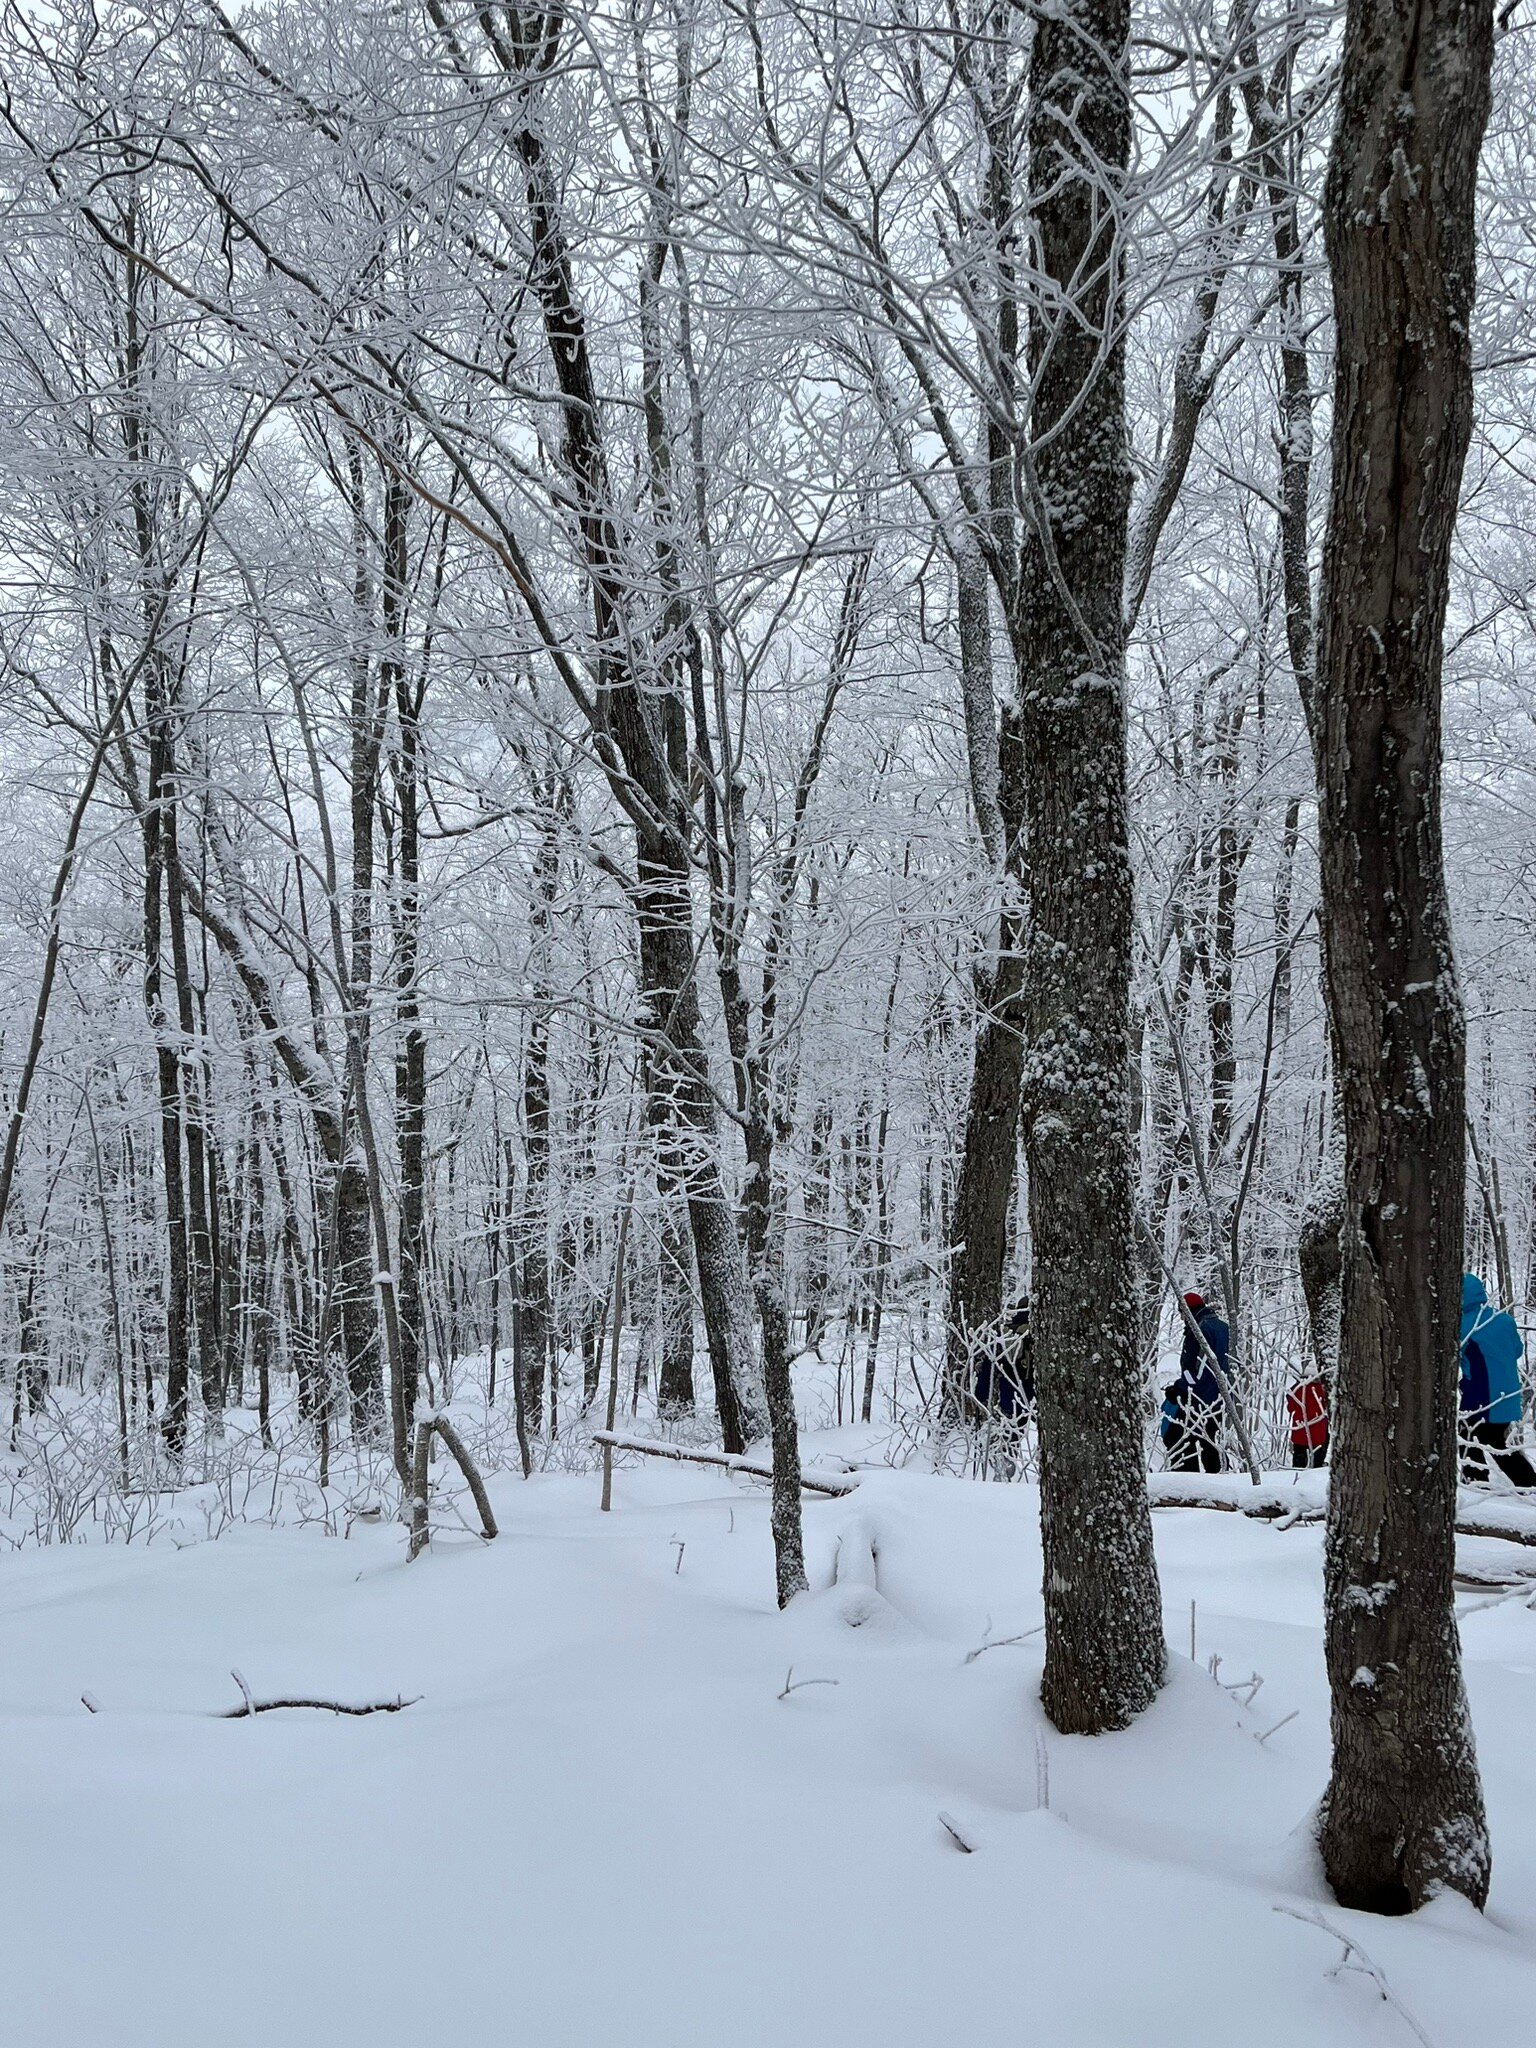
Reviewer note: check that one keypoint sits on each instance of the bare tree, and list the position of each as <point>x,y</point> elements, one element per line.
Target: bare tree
<point>1404,1811</point>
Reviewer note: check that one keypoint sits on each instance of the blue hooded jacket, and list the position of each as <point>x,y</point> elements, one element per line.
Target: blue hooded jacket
<point>1197,1380</point>
<point>1490,1357</point>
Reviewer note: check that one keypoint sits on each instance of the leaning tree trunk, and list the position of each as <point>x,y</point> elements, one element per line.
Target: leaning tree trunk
<point>1404,1812</point>
<point>1105,1653</point>
<point>638,727</point>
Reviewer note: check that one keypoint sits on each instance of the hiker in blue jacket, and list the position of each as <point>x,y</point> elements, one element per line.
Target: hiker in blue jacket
<point>1005,1367</point>
<point>1490,1388</point>
<point>1192,1404</point>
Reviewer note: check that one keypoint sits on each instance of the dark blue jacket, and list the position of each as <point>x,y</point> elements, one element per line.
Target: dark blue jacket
<point>1490,1357</point>
<point>1005,1369</point>
<point>1197,1382</point>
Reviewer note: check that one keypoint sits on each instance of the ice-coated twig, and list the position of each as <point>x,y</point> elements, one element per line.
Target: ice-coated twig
<point>1249,1687</point>
<point>1355,1960</point>
<point>951,1827</point>
<point>1523,1593</point>
<point>1279,1725</point>
<point>1001,1642</point>
<point>793,1684</point>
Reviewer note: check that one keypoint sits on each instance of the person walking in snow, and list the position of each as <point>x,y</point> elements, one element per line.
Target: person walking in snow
<point>1490,1388</point>
<point>1005,1367</point>
<point>1192,1404</point>
<point>1306,1407</point>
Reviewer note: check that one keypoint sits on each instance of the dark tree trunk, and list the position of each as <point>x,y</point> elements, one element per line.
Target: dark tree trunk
<point>1105,1652</point>
<point>670,995</point>
<point>641,743</point>
<point>173,1413</point>
<point>817,1198</point>
<point>357,1317</point>
<point>411,1044</point>
<point>199,1146</point>
<point>984,1185</point>
<point>674,1283</point>
<point>1404,1812</point>
<point>257,1292</point>
<point>1320,1256</point>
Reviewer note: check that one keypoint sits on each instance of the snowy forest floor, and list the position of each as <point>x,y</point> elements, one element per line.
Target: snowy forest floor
<point>605,1818</point>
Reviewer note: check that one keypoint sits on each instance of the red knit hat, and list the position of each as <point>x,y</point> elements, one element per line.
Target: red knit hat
<point>1194,1301</point>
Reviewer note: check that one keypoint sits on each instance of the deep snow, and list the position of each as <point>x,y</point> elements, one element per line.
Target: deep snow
<point>601,1823</point>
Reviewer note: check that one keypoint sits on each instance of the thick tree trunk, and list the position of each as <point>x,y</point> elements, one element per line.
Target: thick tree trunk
<point>1105,1653</point>
<point>1404,1812</point>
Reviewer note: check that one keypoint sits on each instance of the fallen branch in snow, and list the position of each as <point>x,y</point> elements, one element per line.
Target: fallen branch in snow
<point>1476,1523</point>
<point>393,1706</point>
<point>1363,1966</point>
<point>833,1485</point>
<point>1258,1508</point>
<point>1506,1520</point>
<point>249,1704</point>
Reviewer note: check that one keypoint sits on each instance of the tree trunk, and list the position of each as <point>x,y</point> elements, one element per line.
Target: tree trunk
<point>674,1273</point>
<point>984,1183</point>
<point>1403,1816</point>
<point>984,1186</point>
<point>1105,1652</point>
<point>670,998</point>
<point>411,1044</point>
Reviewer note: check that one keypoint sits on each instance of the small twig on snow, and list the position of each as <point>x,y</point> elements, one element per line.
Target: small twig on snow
<point>793,1684</point>
<point>952,1829</point>
<point>1001,1643</point>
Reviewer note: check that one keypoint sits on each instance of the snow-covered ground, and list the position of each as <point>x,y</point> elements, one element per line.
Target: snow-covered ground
<point>605,1821</point>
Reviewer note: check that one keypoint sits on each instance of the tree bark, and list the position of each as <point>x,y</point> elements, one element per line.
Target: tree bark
<point>1403,1817</point>
<point>1105,1653</point>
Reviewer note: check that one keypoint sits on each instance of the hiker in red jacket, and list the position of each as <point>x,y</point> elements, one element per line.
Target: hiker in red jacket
<point>1307,1407</point>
